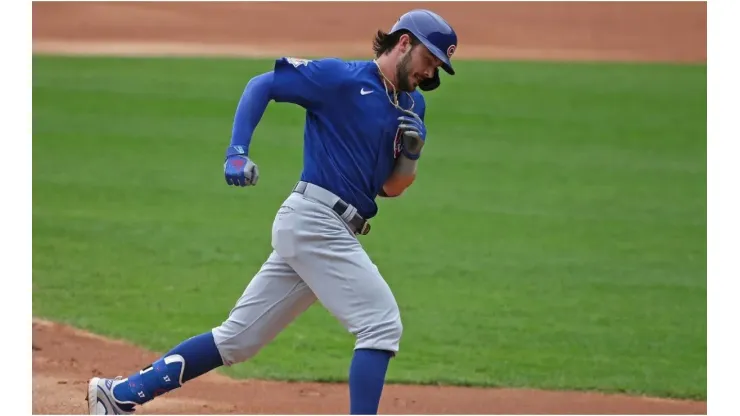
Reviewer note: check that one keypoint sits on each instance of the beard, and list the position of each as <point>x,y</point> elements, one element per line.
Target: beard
<point>403,70</point>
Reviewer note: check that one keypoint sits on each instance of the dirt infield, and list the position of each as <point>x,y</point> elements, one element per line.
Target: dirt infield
<point>593,31</point>
<point>64,358</point>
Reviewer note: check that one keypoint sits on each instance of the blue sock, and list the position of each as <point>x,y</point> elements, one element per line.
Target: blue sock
<point>192,358</point>
<point>366,380</point>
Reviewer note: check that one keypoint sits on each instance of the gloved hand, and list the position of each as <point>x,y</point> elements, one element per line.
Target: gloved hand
<point>239,170</point>
<point>413,134</point>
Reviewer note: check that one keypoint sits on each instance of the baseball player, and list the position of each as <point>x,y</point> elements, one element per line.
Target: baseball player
<point>364,132</point>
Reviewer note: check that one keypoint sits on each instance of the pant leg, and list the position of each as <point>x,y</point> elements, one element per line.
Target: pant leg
<point>317,244</point>
<point>270,302</point>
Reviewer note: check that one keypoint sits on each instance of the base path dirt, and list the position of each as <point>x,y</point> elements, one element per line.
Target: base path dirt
<point>634,31</point>
<point>64,359</point>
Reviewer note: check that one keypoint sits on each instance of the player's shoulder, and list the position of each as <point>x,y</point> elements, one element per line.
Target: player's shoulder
<point>329,68</point>
<point>419,101</point>
<point>329,64</point>
<point>418,96</point>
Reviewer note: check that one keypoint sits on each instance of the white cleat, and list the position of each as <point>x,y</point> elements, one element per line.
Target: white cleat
<point>100,400</point>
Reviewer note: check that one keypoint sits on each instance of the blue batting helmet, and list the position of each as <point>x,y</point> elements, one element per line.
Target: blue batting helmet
<point>433,31</point>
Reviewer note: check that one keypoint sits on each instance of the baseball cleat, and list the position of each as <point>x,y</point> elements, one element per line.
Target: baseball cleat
<point>100,400</point>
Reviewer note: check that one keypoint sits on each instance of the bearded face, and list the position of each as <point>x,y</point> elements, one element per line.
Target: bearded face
<point>414,66</point>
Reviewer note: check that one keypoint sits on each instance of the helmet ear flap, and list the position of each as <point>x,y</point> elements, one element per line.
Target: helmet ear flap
<point>431,83</point>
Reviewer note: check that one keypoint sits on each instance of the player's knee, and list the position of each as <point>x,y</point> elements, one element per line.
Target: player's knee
<point>235,343</point>
<point>383,334</point>
<point>396,330</point>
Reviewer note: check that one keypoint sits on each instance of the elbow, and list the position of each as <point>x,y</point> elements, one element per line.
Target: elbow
<point>397,185</point>
<point>392,194</point>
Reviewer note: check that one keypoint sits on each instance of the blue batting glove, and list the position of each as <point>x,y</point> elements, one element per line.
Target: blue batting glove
<point>239,170</point>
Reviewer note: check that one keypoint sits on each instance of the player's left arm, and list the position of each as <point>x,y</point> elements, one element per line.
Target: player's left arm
<point>413,137</point>
<point>299,81</point>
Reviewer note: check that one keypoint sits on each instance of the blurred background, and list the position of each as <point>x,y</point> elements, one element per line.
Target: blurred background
<point>671,31</point>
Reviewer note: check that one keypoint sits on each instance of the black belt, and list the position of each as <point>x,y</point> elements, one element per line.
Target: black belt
<point>358,224</point>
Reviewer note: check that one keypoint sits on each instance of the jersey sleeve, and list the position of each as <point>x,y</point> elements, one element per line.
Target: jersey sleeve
<point>308,83</point>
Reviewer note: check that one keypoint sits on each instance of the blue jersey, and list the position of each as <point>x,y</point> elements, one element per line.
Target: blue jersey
<point>350,136</point>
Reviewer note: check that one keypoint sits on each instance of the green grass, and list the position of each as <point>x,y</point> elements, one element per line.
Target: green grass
<point>555,238</point>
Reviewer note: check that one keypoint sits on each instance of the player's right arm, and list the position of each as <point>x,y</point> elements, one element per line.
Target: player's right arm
<point>412,135</point>
<point>298,81</point>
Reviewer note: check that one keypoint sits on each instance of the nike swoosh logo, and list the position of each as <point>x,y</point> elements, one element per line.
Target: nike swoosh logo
<point>363,92</point>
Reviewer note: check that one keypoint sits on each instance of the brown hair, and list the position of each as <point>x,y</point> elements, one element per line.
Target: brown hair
<point>384,42</point>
